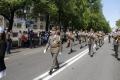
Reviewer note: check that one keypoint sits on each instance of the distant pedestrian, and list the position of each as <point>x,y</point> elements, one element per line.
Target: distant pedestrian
<point>24,39</point>
<point>39,36</point>
<point>31,36</point>
<point>9,42</point>
<point>19,38</point>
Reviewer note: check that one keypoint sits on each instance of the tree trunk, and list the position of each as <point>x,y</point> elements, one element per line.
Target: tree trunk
<point>47,22</point>
<point>11,21</point>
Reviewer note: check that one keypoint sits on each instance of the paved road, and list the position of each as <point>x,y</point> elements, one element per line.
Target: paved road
<point>31,64</point>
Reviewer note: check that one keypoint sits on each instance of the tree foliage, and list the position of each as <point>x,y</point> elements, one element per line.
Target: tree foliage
<point>78,14</point>
<point>118,23</point>
<point>8,9</point>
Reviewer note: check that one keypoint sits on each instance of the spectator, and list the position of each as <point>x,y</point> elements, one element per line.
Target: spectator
<point>42,38</point>
<point>24,40</point>
<point>9,42</point>
<point>19,38</point>
<point>39,35</point>
<point>31,35</point>
<point>2,54</point>
<point>35,40</point>
<point>46,37</point>
<point>27,41</point>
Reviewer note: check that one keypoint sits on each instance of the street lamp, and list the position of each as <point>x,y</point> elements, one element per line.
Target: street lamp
<point>25,12</point>
<point>25,18</point>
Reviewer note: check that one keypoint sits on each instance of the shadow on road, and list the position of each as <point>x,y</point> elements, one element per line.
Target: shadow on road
<point>15,51</point>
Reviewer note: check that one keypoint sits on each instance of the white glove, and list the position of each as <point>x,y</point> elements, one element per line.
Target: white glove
<point>44,51</point>
<point>60,53</point>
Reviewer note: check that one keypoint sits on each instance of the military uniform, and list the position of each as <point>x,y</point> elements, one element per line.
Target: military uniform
<point>114,42</point>
<point>75,35</point>
<point>100,39</point>
<point>68,42</point>
<point>97,40</point>
<point>109,37</point>
<point>86,38</point>
<point>91,38</point>
<point>81,38</point>
<point>62,36</point>
<point>70,39</point>
<point>103,35</point>
<point>54,43</point>
<point>117,44</point>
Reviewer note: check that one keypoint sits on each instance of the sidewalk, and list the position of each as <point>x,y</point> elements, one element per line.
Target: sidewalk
<point>23,51</point>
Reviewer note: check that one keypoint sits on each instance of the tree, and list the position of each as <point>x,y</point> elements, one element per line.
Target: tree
<point>118,23</point>
<point>8,9</point>
<point>80,14</point>
<point>46,7</point>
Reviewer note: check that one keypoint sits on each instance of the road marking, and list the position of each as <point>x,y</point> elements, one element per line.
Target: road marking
<point>69,62</point>
<point>105,38</point>
<point>80,55</point>
<point>6,59</point>
<point>60,70</point>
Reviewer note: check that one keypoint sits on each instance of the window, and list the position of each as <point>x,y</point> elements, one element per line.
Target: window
<point>41,18</point>
<point>41,26</point>
<point>34,26</point>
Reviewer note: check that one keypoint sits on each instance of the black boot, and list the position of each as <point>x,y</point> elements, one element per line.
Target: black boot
<point>50,73</point>
<point>57,67</point>
<point>81,47</point>
<point>71,50</point>
<point>118,59</point>
<point>91,55</point>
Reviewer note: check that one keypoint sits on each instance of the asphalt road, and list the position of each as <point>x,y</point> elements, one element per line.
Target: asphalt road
<point>32,64</point>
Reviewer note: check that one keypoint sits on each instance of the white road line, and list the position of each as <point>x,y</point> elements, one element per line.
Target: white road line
<point>105,38</point>
<point>68,62</point>
<point>6,59</point>
<point>57,72</point>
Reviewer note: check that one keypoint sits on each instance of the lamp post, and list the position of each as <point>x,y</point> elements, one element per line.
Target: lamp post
<point>25,12</point>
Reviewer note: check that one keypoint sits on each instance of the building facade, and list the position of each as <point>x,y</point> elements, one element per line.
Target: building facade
<point>36,24</point>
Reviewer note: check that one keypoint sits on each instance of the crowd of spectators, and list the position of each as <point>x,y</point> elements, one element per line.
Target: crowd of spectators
<point>26,39</point>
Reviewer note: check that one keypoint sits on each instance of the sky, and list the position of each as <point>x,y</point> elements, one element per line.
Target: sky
<point>111,11</point>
